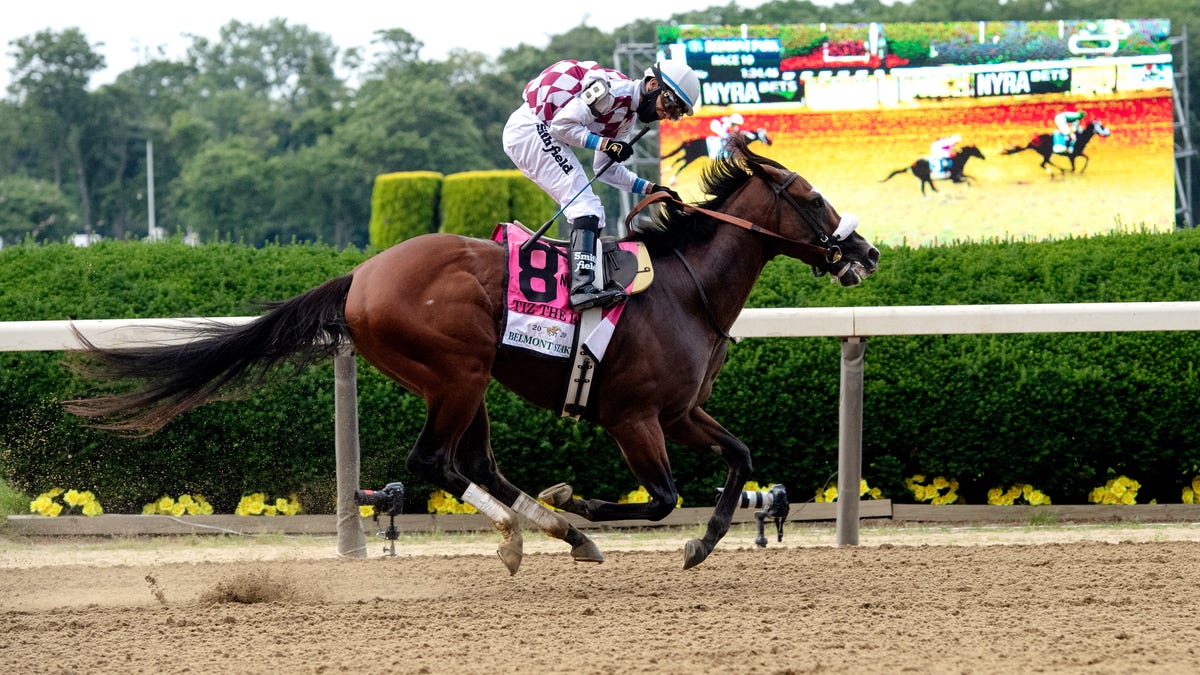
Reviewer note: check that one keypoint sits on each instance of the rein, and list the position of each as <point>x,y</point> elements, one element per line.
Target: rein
<point>828,248</point>
<point>712,316</point>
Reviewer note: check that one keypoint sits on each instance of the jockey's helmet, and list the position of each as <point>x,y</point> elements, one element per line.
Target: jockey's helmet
<point>680,80</point>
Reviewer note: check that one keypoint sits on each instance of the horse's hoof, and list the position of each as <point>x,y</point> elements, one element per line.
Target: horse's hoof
<point>511,552</point>
<point>587,552</point>
<point>694,553</point>
<point>557,495</point>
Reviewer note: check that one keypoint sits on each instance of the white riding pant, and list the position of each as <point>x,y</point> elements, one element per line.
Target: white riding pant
<point>550,164</point>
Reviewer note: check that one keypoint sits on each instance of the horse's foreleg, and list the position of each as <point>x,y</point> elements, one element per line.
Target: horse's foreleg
<point>475,459</point>
<point>699,430</point>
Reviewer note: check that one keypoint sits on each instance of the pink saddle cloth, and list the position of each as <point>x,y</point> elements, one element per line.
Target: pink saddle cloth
<point>538,317</point>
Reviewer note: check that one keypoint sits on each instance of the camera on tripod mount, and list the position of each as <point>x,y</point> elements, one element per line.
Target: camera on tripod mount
<point>770,504</point>
<point>389,500</point>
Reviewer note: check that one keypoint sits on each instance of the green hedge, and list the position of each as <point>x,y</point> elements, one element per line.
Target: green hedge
<point>1063,412</point>
<point>410,203</point>
<point>404,205</point>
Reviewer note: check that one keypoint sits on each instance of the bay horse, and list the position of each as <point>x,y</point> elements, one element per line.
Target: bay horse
<point>429,311</point>
<point>922,170</point>
<point>1043,144</point>
<point>698,148</point>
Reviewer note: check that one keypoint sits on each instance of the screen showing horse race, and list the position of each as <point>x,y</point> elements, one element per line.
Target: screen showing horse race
<point>943,132</point>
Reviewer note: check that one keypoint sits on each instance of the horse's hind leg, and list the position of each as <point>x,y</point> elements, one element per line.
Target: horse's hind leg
<point>433,458</point>
<point>475,460</point>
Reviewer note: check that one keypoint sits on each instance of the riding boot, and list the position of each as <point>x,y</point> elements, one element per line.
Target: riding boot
<point>584,294</point>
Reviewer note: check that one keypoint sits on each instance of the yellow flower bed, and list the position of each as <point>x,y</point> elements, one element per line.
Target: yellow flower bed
<point>258,504</point>
<point>641,496</point>
<point>446,503</point>
<point>939,491</point>
<point>1191,492</point>
<point>830,493</point>
<point>1119,490</point>
<point>1020,491</point>
<point>185,505</point>
<point>45,504</point>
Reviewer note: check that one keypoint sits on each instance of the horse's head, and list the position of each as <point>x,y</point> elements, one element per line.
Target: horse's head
<point>799,222</point>
<point>971,151</point>
<point>1099,129</point>
<point>762,136</point>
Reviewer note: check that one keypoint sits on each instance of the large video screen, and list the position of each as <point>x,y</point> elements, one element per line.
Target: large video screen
<point>943,132</point>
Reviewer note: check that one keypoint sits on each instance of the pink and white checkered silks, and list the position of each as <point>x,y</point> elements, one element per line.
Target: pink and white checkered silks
<point>557,85</point>
<point>540,133</point>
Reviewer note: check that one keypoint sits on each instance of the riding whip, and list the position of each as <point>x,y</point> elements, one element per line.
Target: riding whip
<point>542,230</point>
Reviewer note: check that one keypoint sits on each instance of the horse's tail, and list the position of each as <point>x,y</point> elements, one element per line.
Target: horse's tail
<point>178,377</point>
<point>1015,149</point>
<point>895,173</point>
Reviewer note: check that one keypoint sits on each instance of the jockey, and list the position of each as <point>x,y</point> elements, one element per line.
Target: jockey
<point>1068,123</point>
<point>722,128</point>
<point>584,105</point>
<point>942,150</point>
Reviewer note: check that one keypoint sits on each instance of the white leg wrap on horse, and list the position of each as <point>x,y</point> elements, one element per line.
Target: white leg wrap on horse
<point>546,520</point>
<point>486,504</point>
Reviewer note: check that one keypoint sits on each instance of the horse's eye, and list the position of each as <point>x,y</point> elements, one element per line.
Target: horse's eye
<point>816,201</point>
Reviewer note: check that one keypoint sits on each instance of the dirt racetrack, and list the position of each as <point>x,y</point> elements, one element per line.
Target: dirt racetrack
<point>1068,600</point>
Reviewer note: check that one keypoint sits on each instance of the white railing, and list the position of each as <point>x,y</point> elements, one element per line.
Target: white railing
<point>850,324</point>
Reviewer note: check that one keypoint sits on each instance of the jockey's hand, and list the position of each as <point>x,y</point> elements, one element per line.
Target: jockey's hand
<point>663,188</point>
<point>618,151</point>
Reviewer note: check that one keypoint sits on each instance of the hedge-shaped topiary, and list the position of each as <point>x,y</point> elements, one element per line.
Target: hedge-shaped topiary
<point>530,204</point>
<point>473,202</point>
<point>404,205</point>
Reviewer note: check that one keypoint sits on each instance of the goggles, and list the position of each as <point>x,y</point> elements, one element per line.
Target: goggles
<point>671,103</point>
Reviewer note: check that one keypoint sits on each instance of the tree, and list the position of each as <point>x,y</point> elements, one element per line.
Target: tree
<point>33,208</point>
<point>226,191</point>
<point>404,123</point>
<point>51,74</point>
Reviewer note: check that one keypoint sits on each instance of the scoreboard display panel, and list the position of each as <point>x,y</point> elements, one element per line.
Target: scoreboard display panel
<point>944,132</point>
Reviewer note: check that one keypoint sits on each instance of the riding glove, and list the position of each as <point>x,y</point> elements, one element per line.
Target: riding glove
<point>663,188</point>
<point>618,151</point>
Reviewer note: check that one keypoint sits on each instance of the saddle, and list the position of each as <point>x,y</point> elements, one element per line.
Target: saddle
<point>1062,142</point>
<point>631,270</point>
<point>538,318</point>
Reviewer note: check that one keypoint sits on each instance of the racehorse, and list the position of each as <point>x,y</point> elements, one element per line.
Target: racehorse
<point>924,172</point>
<point>428,313</point>
<point>1043,144</point>
<point>698,148</point>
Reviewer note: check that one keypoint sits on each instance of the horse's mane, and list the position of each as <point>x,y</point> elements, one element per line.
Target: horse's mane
<point>671,227</point>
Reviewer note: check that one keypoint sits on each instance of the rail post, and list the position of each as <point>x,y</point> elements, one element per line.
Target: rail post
<point>850,416</point>
<point>351,542</point>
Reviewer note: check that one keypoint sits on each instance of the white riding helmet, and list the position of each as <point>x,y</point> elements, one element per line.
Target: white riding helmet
<point>680,79</point>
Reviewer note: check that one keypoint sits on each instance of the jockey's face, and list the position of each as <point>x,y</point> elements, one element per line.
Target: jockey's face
<point>668,106</point>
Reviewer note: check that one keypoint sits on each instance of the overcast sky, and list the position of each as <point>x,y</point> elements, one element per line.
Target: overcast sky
<point>131,29</point>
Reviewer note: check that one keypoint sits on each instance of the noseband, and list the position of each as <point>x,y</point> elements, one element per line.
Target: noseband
<point>832,251</point>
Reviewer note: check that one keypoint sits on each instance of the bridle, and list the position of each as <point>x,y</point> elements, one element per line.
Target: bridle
<point>832,251</point>
<point>827,246</point>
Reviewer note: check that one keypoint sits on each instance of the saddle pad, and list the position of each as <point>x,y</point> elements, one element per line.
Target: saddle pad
<point>538,317</point>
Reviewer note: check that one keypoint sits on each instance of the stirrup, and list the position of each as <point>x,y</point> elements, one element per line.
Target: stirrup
<point>589,297</point>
